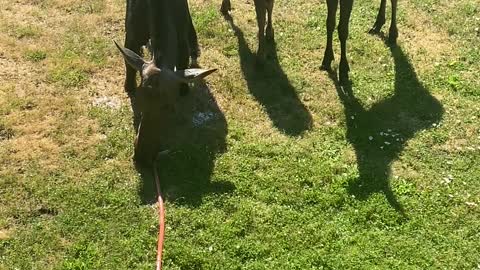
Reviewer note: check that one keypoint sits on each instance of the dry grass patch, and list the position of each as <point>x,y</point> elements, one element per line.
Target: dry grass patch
<point>428,43</point>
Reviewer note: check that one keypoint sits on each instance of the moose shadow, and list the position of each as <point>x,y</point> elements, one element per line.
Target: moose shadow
<point>379,134</point>
<point>196,136</point>
<point>270,86</point>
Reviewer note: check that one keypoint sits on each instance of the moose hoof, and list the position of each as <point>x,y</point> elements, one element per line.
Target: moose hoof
<point>326,65</point>
<point>392,40</point>
<point>374,31</point>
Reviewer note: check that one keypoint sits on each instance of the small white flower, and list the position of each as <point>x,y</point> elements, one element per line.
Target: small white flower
<point>370,138</point>
<point>472,204</point>
<point>387,143</point>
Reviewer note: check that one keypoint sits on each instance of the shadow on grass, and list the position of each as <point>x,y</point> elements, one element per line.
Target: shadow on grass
<point>379,134</point>
<point>196,136</point>
<point>271,88</point>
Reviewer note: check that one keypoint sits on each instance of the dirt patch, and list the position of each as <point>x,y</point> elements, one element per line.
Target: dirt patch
<point>4,235</point>
<point>422,39</point>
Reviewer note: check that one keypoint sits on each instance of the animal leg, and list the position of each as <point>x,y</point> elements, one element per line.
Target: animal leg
<point>377,26</point>
<point>328,56</point>
<point>131,74</point>
<point>194,48</point>
<point>134,39</point>
<point>393,32</point>
<point>226,7</point>
<point>345,11</point>
<point>260,9</point>
<point>182,60</point>
<point>270,33</point>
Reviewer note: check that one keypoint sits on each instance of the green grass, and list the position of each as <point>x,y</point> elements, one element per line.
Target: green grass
<point>69,76</point>
<point>24,32</point>
<point>292,172</point>
<point>35,55</point>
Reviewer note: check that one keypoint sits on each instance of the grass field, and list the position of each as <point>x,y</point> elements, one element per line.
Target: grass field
<point>289,172</point>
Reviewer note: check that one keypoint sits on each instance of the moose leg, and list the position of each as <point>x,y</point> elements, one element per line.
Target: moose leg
<point>328,55</point>
<point>260,8</point>
<point>142,155</point>
<point>134,43</point>
<point>226,7</point>
<point>193,46</point>
<point>131,74</point>
<point>380,18</point>
<point>269,33</point>
<point>182,58</point>
<point>136,35</point>
<point>345,11</point>
<point>393,32</point>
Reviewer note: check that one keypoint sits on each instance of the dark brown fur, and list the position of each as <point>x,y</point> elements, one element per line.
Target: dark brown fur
<point>155,103</point>
<point>169,26</point>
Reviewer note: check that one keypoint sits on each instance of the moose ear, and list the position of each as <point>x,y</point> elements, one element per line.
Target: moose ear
<point>133,59</point>
<point>193,74</point>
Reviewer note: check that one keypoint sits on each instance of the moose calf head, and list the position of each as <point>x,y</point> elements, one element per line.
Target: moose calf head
<point>156,98</point>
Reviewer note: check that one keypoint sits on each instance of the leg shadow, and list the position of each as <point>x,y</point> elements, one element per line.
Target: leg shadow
<point>270,86</point>
<point>196,136</point>
<point>379,134</point>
